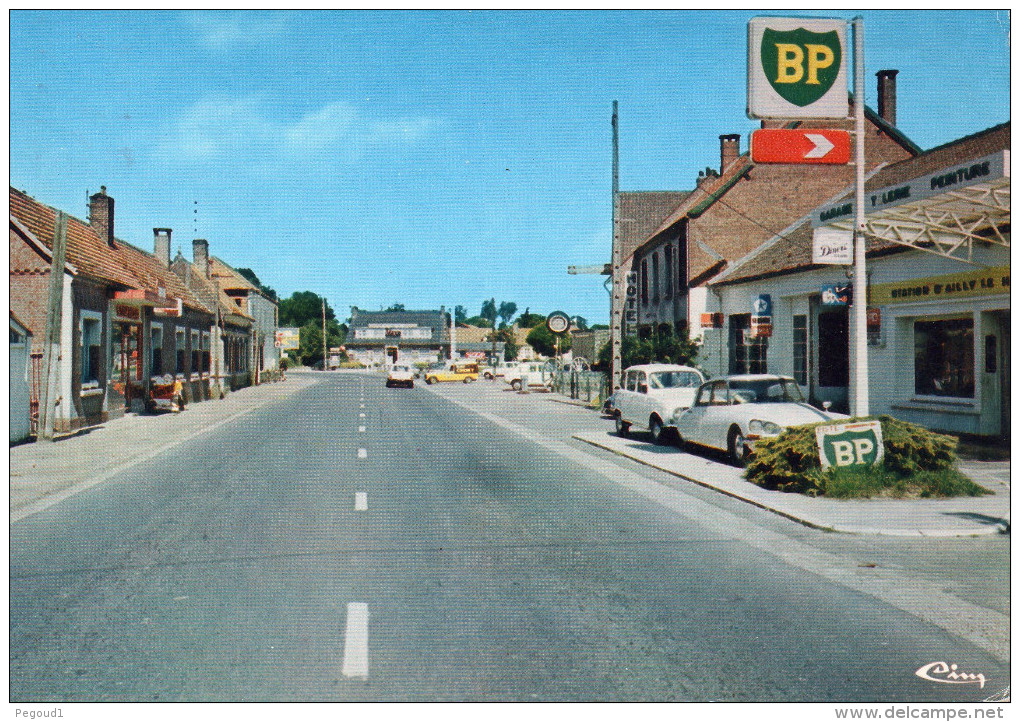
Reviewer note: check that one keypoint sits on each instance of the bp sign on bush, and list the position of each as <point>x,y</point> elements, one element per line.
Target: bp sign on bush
<point>856,444</point>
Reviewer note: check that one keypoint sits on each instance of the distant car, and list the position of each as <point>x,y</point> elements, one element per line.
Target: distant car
<point>651,395</point>
<point>400,375</point>
<point>537,374</point>
<point>731,413</point>
<point>491,372</point>
<point>466,372</point>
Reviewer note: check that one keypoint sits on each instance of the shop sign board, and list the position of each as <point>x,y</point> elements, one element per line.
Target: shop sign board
<point>288,339</point>
<point>983,282</point>
<point>761,327</point>
<point>854,444</point>
<point>125,311</point>
<point>630,305</point>
<point>980,170</point>
<point>837,295</point>
<point>832,246</point>
<point>711,320</point>
<point>796,68</point>
<point>796,145</point>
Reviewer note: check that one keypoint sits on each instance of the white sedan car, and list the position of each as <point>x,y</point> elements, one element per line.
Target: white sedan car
<point>400,375</point>
<point>651,395</point>
<point>732,412</point>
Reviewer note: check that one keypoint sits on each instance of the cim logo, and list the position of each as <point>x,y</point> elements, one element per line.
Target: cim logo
<point>801,65</point>
<point>844,445</point>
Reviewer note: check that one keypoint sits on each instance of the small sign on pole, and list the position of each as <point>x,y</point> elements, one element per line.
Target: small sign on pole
<point>832,246</point>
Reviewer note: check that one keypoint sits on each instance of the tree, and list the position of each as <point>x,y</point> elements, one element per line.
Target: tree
<point>506,335</point>
<point>543,341</point>
<point>250,275</point>
<point>396,307</point>
<point>310,340</point>
<point>529,320</point>
<point>478,321</point>
<point>489,312</point>
<point>506,311</point>
<point>303,307</point>
<point>661,347</point>
<point>580,323</point>
<point>460,314</point>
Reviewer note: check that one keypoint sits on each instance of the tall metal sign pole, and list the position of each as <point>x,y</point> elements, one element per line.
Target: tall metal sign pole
<point>796,70</point>
<point>860,307</point>
<point>616,298</point>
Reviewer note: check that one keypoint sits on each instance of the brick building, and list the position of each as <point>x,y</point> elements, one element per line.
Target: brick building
<point>738,207</point>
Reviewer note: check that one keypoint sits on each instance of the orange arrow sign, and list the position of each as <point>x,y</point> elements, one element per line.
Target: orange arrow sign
<point>800,145</point>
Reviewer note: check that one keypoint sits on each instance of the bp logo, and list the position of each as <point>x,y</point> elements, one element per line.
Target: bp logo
<point>799,64</point>
<point>857,444</point>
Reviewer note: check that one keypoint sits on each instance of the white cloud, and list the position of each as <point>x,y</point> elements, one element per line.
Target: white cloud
<point>223,30</point>
<point>241,132</point>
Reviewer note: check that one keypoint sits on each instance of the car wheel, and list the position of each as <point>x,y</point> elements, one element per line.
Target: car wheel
<point>622,427</point>
<point>657,431</point>
<point>515,385</point>
<point>389,384</point>
<point>430,380</point>
<point>737,447</point>
<point>410,384</point>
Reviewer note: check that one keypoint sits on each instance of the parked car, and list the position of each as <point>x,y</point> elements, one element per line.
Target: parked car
<point>652,395</point>
<point>400,375</point>
<point>536,374</point>
<point>731,413</point>
<point>466,372</point>
<point>491,372</point>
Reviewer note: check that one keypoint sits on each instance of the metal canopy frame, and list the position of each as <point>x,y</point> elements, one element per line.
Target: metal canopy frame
<point>947,224</point>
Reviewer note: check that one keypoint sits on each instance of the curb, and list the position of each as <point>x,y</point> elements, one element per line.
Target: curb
<point>984,530</point>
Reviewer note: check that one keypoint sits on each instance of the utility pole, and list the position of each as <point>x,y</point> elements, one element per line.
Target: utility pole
<point>325,359</point>
<point>616,300</point>
<point>860,304</point>
<point>54,315</point>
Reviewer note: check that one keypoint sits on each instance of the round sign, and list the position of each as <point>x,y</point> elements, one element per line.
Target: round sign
<point>558,322</point>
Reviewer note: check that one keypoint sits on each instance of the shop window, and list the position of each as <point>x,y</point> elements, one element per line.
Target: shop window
<point>944,358</point>
<point>196,354</point>
<point>800,356</point>
<point>667,268</point>
<point>91,348</point>
<point>833,348</point>
<point>747,355</point>
<point>181,351</point>
<point>205,353</point>
<point>156,333</point>
<point>655,278</point>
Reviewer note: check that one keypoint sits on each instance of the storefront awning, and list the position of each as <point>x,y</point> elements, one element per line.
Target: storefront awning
<point>941,213</point>
<point>129,303</point>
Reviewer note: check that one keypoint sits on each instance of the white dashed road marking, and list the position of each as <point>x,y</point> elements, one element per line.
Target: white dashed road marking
<point>361,416</point>
<point>362,453</point>
<point>356,641</point>
<point>360,501</point>
<point>361,429</point>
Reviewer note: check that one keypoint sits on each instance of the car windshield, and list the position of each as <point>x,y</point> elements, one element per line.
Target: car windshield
<point>765,391</point>
<point>674,380</point>
<point>401,368</point>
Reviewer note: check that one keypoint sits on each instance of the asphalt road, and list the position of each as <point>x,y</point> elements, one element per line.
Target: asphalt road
<point>431,556</point>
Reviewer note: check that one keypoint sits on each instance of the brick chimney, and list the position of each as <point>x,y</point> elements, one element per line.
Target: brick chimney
<point>200,252</point>
<point>161,245</point>
<point>729,150</point>
<point>101,214</point>
<point>887,95</point>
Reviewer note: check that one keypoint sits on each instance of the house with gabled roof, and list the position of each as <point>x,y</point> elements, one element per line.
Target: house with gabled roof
<point>937,294</point>
<point>738,207</point>
<point>113,294</point>
<point>378,338</point>
<point>226,350</point>
<point>263,310</point>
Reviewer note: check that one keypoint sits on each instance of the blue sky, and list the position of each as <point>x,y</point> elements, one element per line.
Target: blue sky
<point>427,158</point>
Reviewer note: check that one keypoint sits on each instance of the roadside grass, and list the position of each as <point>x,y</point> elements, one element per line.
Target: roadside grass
<point>884,483</point>
<point>918,463</point>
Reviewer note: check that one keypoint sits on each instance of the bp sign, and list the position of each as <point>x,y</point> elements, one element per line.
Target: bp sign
<point>856,444</point>
<point>796,68</point>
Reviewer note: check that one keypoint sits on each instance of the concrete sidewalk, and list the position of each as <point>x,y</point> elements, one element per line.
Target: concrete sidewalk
<point>960,516</point>
<point>45,473</point>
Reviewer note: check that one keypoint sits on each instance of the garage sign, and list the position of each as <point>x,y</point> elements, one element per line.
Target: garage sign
<point>857,444</point>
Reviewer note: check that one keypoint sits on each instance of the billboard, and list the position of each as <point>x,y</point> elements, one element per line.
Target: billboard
<point>288,339</point>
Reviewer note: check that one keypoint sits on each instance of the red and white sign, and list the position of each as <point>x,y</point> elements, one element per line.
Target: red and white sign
<point>800,145</point>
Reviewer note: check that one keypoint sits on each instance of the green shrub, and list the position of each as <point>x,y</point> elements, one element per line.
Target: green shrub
<point>917,462</point>
<point>351,365</point>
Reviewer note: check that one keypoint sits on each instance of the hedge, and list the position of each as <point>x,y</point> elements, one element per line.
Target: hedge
<point>917,462</point>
